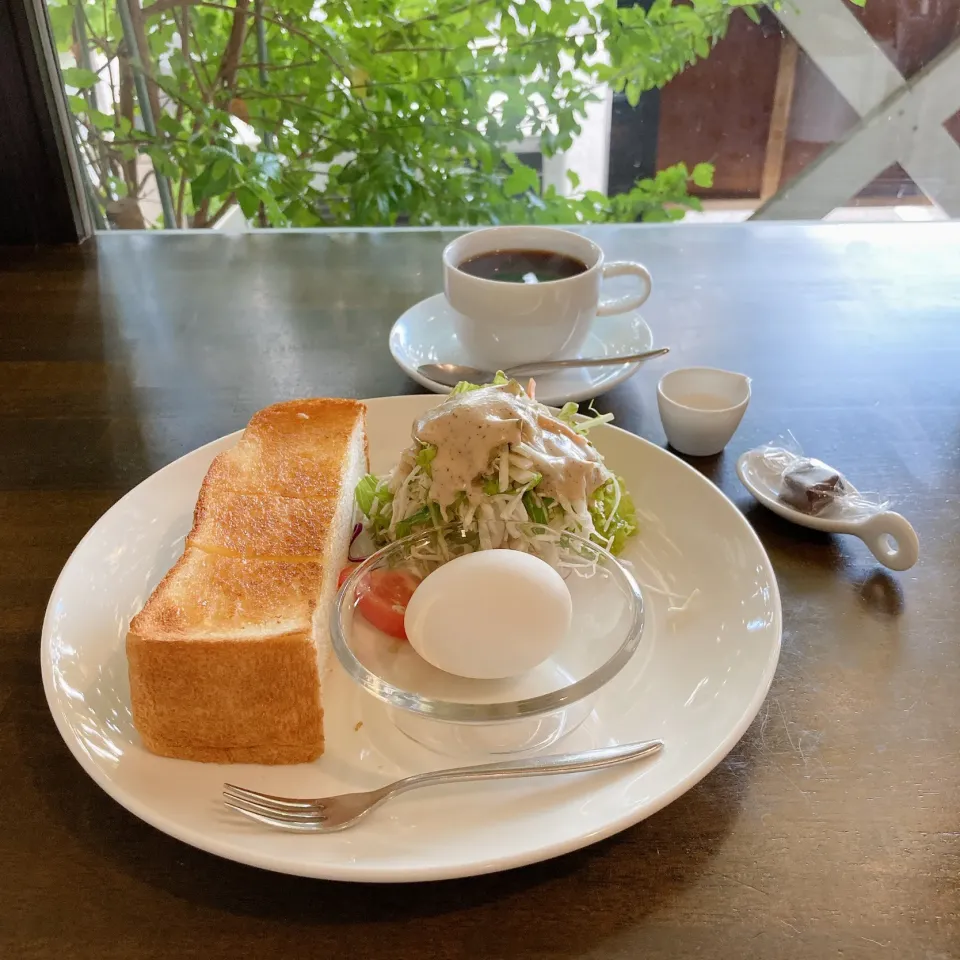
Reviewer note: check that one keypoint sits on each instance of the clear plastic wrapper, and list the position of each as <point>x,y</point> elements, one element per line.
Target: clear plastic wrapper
<point>813,487</point>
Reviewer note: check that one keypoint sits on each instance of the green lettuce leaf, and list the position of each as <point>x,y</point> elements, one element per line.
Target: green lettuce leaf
<point>568,414</point>
<point>370,489</point>
<point>425,457</point>
<point>465,387</point>
<point>535,510</point>
<point>366,493</point>
<point>583,426</point>
<point>620,524</point>
<point>406,527</point>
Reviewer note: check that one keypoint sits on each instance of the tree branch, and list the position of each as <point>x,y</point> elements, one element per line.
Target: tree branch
<point>113,89</point>
<point>227,73</point>
<point>219,215</point>
<point>253,94</point>
<point>449,13</point>
<point>95,163</point>
<point>129,167</point>
<point>181,196</point>
<point>147,141</point>
<point>125,212</point>
<point>278,66</point>
<point>161,6</point>
<point>98,41</point>
<point>202,65</point>
<point>143,49</point>
<point>200,215</point>
<point>184,26</point>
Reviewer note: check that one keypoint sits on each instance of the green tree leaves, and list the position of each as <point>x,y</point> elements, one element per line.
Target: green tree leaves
<point>375,112</point>
<point>521,179</point>
<point>702,175</point>
<point>79,78</point>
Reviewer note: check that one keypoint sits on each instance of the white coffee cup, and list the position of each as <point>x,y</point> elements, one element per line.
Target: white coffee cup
<point>502,324</point>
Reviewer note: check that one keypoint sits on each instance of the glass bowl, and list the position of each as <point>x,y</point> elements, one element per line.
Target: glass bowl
<point>455,715</point>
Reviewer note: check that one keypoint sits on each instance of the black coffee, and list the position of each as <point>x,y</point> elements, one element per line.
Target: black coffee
<point>523,266</point>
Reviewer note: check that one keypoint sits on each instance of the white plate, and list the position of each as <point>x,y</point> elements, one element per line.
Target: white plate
<point>704,675</point>
<point>424,334</point>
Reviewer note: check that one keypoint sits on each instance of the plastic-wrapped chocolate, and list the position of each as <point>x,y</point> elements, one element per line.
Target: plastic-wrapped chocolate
<point>810,486</point>
<point>813,494</point>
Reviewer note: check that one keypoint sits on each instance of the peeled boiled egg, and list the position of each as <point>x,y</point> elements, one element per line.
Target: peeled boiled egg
<point>489,615</point>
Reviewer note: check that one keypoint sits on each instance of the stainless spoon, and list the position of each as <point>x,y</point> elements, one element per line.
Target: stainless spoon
<point>450,374</point>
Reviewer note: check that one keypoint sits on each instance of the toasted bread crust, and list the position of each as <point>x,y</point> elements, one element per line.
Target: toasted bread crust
<point>268,754</point>
<point>224,660</point>
<point>258,697</point>
<point>284,423</point>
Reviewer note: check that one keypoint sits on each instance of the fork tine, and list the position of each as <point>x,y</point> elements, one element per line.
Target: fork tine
<point>278,815</point>
<point>280,803</point>
<point>314,825</point>
<point>272,809</point>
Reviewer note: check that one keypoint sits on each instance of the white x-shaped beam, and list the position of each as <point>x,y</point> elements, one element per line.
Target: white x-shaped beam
<point>901,120</point>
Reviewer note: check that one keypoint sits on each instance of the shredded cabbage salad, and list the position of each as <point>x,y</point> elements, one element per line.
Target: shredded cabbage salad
<point>504,507</point>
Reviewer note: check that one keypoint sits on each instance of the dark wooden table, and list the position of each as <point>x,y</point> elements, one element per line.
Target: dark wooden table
<point>831,830</point>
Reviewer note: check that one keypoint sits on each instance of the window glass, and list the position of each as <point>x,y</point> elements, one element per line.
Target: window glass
<point>291,113</point>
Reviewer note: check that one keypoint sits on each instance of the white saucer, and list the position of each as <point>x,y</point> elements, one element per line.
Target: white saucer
<point>424,334</point>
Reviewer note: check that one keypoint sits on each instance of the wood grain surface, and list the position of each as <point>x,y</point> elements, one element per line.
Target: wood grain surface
<point>831,830</point>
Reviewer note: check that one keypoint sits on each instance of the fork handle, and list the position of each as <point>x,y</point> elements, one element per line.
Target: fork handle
<point>537,767</point>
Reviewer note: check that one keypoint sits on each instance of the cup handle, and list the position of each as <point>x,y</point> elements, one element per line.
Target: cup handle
<point>619,268</point>
<point>891,540</point>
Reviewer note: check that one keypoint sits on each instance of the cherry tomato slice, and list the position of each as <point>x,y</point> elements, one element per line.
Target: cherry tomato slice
<point>382,598</point>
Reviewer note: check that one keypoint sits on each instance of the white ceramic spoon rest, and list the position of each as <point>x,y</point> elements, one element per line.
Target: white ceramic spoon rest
<point>890,537</point>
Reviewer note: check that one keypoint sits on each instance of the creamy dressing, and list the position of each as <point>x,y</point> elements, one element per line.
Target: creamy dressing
<point>469,430</point>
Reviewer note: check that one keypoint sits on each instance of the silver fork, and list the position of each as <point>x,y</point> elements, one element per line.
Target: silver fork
<point>328,814</point>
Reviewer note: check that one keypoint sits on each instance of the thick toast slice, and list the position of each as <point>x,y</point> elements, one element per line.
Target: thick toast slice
<point>223,664</point>
<point>227,657</point>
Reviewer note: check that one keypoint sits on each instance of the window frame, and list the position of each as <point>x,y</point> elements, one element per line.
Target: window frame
<point>41,194</point>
